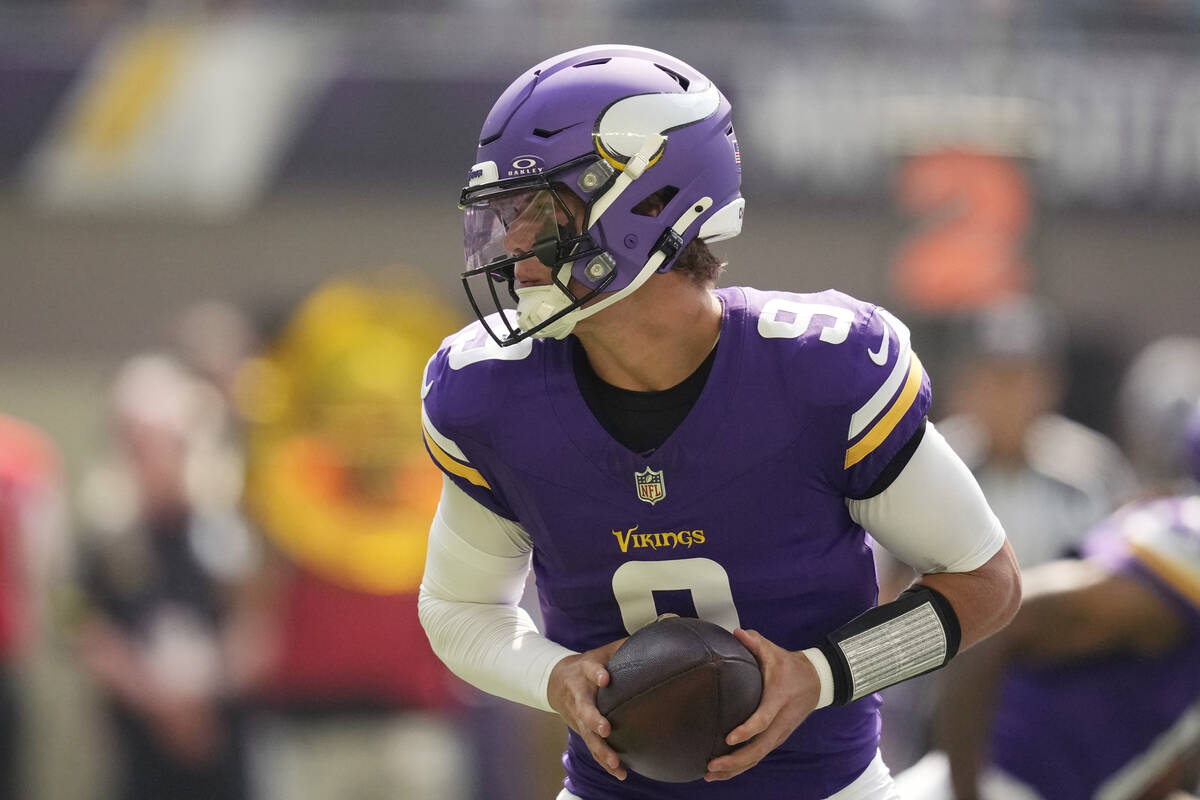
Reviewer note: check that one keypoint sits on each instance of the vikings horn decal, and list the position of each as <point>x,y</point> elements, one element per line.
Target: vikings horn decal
<point>625,125</point>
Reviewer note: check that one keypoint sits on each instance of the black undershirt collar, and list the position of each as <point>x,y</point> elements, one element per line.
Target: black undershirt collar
<point>641,421</point>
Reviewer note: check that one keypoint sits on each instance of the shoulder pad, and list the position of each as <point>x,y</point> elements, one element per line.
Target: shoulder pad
<point>469,374</point>
<point>464,383</point>
<point>1164,536</point>
<point>853,355</point>
<point>855,361</point>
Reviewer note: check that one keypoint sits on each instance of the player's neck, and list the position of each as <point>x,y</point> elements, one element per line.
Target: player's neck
<point>656,337</point>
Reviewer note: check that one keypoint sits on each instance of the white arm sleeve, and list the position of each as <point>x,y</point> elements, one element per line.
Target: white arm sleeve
<point>474,575</point>
<point>933,517</point>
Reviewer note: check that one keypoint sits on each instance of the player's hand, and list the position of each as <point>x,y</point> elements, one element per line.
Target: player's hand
<point>572,693</point>
<point>791,689</point>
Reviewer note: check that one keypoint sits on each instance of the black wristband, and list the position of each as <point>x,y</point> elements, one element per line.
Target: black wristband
<point>916,633</point>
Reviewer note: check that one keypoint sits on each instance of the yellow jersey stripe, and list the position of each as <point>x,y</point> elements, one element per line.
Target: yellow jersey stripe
<point>885,426</point>
<point>1178,577</point>
<point>453,466</point>
<point>135,84</point>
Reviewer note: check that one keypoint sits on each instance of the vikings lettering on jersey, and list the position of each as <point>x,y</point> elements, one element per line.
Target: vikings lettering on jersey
<point>739,517</point>
<point>1071,732</point>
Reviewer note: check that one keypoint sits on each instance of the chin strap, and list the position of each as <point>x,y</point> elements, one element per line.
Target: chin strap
<point>539,303</point>
<point>633,170</point>
<point>651,266</point>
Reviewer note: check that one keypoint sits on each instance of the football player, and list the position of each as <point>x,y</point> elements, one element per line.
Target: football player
<point>651,444</point>
<point>1048,478</point>
<point>1093,692</point>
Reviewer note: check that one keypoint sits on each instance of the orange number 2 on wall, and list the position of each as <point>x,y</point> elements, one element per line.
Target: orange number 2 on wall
<point>973,211</point>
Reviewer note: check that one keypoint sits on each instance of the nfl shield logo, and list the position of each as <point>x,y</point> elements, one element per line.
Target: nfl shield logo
<point>650,485</point>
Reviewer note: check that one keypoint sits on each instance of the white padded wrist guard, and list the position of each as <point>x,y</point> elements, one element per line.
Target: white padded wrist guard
<point>914,634</point>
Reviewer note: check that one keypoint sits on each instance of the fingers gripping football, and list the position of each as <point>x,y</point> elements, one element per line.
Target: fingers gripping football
<point>572,693</point>
<point>791,689</point>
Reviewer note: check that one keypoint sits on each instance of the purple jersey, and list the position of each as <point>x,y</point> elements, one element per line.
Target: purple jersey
<point>1105,727</point>
<point>740,517</point>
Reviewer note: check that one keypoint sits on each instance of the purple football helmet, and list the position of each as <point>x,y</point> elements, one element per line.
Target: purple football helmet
<point>1160,389</point>
<point>616,126</point>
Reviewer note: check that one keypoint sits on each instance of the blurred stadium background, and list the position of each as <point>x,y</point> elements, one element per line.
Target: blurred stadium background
<point>924,154</point>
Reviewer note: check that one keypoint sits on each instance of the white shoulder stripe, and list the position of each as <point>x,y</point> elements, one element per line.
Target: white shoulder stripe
<point>870,410</point>
<point>446,444</point>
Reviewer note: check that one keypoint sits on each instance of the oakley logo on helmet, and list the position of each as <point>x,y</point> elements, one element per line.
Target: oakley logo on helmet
<point>525,165</point>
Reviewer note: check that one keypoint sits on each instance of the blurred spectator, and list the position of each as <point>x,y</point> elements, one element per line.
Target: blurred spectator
<point>1094,690</point>
<point>1048,478</point>
<point>1154,399</point>
<point>356,704</point>
<point>214,339</point>
<point>158,567</point>
<point>31,539</point>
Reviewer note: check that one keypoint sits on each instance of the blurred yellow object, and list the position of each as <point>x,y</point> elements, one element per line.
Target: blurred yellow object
<point>337,476</point>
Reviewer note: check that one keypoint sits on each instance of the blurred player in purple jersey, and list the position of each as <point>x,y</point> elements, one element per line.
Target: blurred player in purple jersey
<point>1048,478</point>
<point>651,444</point>
<point>1094,691</point>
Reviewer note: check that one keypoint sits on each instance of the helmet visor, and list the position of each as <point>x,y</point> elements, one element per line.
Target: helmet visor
<point>511,227</point>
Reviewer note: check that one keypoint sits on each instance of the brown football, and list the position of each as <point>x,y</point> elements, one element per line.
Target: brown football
<point>677,688</point>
